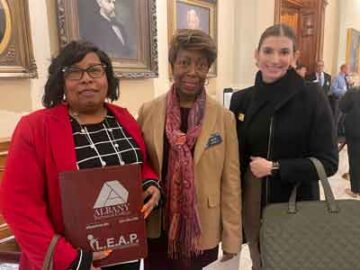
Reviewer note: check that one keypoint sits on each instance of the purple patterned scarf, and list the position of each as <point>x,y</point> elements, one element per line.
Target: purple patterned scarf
<point>182,215</point>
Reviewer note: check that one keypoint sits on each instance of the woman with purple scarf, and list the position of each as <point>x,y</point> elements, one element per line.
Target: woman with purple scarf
<point>192,143</point>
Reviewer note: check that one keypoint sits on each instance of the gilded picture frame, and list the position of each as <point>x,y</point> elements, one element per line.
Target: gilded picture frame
<point>130,39</point>
<point>16,51</point>
<point>353,50</point>
<point>197,14</point>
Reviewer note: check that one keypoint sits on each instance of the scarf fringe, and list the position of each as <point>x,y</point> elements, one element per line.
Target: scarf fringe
<point>183,242</point>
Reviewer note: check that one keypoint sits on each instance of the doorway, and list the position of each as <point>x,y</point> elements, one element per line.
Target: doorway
<point>306,17</point>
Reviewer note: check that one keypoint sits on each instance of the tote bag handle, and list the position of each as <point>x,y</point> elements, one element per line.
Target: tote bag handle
<point>329,195</point>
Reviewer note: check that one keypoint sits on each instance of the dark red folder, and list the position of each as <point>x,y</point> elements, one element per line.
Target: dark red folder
<point>101,210</point>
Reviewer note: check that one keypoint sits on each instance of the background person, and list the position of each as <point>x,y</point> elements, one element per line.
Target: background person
<point>339,87</point>
<point>281,121</point>
<point>340,84</point>
<point>76,130</point>
<point>192,144</point>
<point>301,70</point>
<point>350,106</point>
<point>321,77</point>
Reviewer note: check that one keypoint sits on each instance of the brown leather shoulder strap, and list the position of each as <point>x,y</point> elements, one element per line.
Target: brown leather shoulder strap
<point>48,262</point>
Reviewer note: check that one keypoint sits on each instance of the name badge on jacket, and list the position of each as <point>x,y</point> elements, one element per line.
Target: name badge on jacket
<point>214,139</point>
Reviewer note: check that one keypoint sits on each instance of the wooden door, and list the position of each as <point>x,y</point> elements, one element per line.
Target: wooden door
<point>306,17</point>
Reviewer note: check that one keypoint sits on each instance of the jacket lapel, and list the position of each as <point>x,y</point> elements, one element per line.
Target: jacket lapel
<point>293,82</point>
<point>257,103</point>
<point>61,138</point>
<point>158,131</point>
<point>208,124</point>
<point>255,106</point>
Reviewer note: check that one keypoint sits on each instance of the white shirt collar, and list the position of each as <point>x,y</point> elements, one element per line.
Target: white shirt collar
<point>104,15</point>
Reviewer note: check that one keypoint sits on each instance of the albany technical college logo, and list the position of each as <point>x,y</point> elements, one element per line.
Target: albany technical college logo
<point>112,201</point>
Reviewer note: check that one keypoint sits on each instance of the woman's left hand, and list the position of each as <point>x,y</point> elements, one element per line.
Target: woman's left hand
<point>260,167</point>
<point>153,194</point>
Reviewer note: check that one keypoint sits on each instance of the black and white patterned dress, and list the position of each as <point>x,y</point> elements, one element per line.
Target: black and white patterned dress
<point>104,144</point>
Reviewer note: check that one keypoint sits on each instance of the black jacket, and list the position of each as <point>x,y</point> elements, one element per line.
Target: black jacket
<point>350,105</point>
<point>301,126</point>
<point>327,82</point>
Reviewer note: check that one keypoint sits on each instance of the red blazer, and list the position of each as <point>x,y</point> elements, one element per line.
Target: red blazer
<point>41,147</point>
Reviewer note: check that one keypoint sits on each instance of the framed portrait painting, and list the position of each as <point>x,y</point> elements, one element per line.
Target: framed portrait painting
<point>353,50</point>
<point>194,14</point>
<point>16,54</point>
<point>124,29</point>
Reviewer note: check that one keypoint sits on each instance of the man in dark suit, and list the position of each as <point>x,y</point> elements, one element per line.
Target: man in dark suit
<point>321,77</point>
<point>103,29</point>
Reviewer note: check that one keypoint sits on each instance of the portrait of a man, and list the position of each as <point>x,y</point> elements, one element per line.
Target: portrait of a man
<point>192,17</point>
<point>109,24</point>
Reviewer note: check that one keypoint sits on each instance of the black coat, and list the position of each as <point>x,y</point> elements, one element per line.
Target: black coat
<point>350,106</point>
<point>302,127</point>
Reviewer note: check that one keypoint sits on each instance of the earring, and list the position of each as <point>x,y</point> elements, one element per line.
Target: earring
<point>64,101</point>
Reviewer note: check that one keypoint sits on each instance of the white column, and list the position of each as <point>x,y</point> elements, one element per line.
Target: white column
<point>251,19</point>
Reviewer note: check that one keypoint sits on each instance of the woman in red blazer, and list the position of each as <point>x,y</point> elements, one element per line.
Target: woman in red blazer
<point>76,130</point>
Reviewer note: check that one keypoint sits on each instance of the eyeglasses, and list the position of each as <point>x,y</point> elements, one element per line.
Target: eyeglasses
<point>75,73</point>
<point>201,66</point>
